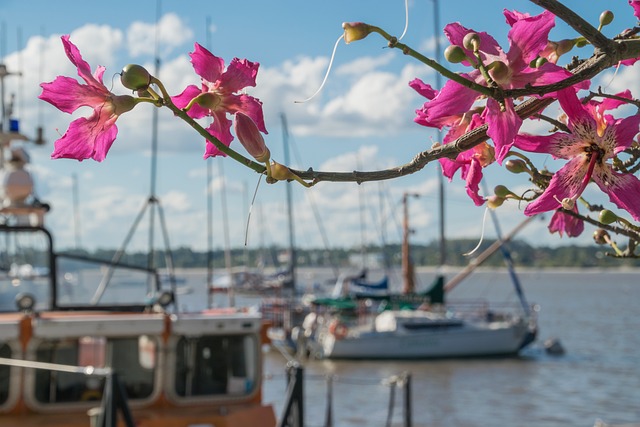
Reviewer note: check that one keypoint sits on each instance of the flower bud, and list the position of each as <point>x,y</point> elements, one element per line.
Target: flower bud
<point>471,41</point>
<point>354,31</point>
<point>606,18</point>
<point>499,71</point>
<point>251,138</point>
<point>502,191</point>
<point>454,54</point>
<point>495,201</point>
<point>601,237</point>
<point>540,61</point>
<point>607,217</point>
<point>135,77</point>
<point>516,166</point>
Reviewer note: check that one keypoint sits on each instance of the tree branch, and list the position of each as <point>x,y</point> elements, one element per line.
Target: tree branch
<point>585,29</point>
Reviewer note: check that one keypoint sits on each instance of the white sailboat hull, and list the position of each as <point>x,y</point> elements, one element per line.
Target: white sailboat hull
<point>468,339</point>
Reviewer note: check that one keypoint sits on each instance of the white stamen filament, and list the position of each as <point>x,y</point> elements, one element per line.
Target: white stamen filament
<point>326,76</point>
<point>484,221</point>
<point>406,19</point>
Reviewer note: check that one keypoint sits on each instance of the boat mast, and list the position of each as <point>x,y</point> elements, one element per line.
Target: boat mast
<point>408,281</point>
<point>292,246</point>
<point>443,242</point>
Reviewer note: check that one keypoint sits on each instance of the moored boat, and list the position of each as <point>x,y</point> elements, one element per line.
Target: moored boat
<point>416,326</point>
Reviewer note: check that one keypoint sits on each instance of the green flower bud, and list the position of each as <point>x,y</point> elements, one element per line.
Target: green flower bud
<point>581,42</point>
<point>606,18</point>
<point>471,41</point>
<point>502,191</point>
<point>540,61</point>
<point>516,166</point>
<point>454,54</point>
<point>135,77</point>
<point>499,71</point>
<point>607,217</point>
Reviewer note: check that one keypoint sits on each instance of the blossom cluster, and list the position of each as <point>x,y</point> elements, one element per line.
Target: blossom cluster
<point>591,139</point>
<point>488,94</point>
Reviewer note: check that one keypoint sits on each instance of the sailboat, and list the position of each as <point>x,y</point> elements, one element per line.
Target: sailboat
<point>414,326</point>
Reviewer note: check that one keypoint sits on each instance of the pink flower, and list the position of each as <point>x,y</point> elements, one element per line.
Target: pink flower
<point>86,137</point>
<point>218,95</point>
<point>635,4</point>
<point>471,162</point>
<point>528,37</point>
<point>595,138</point>
<point>561,222</point>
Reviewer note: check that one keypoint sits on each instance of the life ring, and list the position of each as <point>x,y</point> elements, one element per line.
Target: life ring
<point>338,330</point>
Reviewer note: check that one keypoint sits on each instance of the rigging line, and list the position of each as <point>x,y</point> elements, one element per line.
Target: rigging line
<point>253,200</point>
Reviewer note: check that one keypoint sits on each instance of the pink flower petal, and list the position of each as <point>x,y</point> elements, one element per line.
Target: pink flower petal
<point>528,37</point>
<point>625,130</point>
<point>503,126</point>
<point>473,178</point>
<point>85,139</point>
<point>453,100</point>
<point>68,95</point>
<point>564,184</point>
<point>561,222</point>
<point>623,189</point>
<point>576,112</point>
<point>240,74</point>
<point>206,65</point>
<point>635,4</point>
<point>423,88</point>
<point>182,100</point>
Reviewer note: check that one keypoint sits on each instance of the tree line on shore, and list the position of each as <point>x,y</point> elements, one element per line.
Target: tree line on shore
<point>523,254</point>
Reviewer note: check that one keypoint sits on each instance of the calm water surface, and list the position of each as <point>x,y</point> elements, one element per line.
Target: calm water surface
<point>594,314</point>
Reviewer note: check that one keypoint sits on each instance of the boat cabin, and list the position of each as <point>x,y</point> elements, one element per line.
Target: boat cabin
<point>63,331</point>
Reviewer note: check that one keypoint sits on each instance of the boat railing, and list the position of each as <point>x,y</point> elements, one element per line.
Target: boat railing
<point>114,397</point>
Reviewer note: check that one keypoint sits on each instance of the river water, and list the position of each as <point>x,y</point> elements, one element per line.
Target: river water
<point>595,315</point>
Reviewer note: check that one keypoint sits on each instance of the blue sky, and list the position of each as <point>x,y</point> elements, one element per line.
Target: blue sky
<point>363,119</point>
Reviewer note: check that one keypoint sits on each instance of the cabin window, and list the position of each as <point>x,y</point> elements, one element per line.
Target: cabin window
<point>129,357</point>
<point>216,365</point>
<point>5,373</point>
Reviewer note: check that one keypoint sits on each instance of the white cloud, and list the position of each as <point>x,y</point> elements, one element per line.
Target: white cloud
<point>365,64</point>
<point>620,79</point>
<point>168,33</point>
